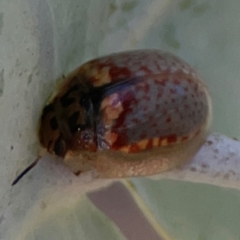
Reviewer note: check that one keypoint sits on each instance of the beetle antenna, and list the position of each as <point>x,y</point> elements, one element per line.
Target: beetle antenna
<point>24,172</point>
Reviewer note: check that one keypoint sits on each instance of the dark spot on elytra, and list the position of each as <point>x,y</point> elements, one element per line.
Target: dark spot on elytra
<point>66,101</point>
<point>85,102</point>
<point>74,79</point>
<point>53,123</point>
<point>77,173</point>
<point>60,147</point>
<point>47,109</point>
<point>72,121</point>
<point>72,89</point>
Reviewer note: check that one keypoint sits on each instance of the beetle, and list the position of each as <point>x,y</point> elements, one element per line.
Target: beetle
<point>127,114</point>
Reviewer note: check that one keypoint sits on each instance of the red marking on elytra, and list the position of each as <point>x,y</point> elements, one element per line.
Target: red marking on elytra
<point>135,120</point>
<point>129,99</point>
<point>145,108</point>
<point>121,141</point>
<point>147,98</point>
<point>154,125</point>
<point>164,112</point>
<point>134,148</point>
<point>147,88</point>
<point>168,120</point>
<point>160,94</point>
<point>172,138</point>
<point>150,118</point>
<point>185,138</point>
<point>163,82</point>
<point>115,72</point>
<point>173,91</point>
<point>145,69</point>
<point>176,81</point>
<point>159,142</point>
<point>149,144</point>
<point>140,87</point>
<point>197,132</point>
